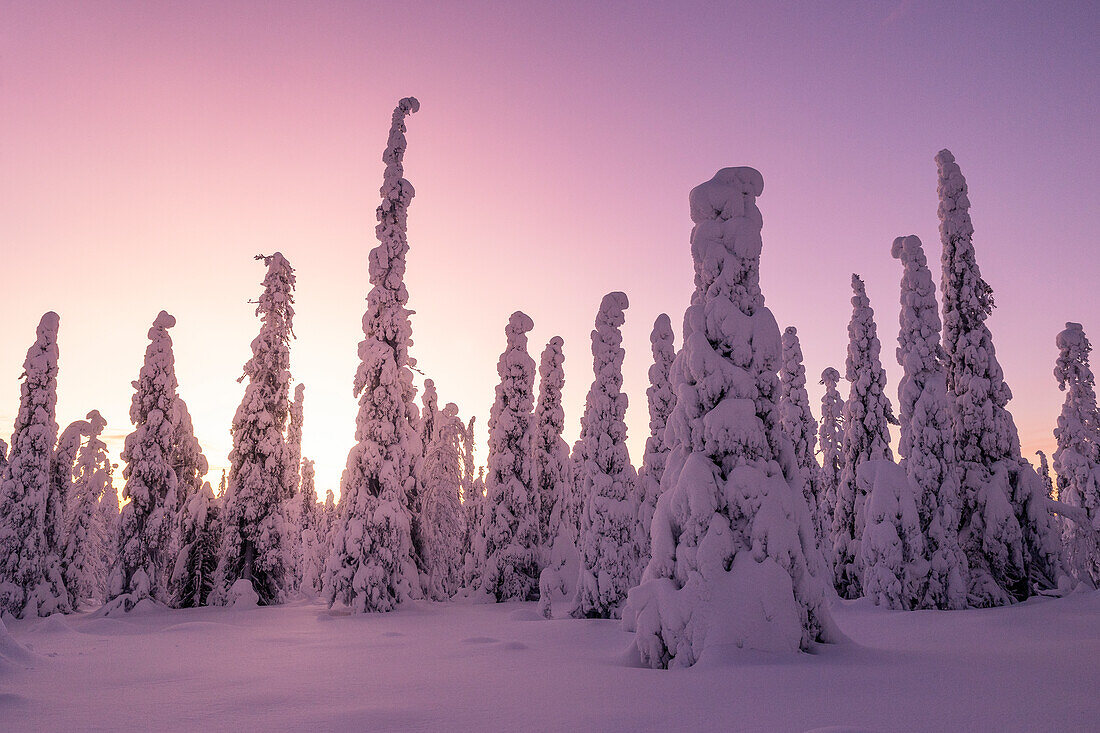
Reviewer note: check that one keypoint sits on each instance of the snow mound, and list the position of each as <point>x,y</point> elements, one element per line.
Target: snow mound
<point>13,655</point>
<point>242,595</point>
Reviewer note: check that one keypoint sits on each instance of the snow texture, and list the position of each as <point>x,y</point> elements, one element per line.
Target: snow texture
<point>196,561</point>
<point>798,423</point>
<point>88,539</point>
<point>553,469</point>
<point>443,522</point>
<point>1009,537</point>
<point>927,446</point>
<point>510,521</point>
<point>894,566</point>
<point>313,537</point>
<point>607,545</point>
<point>867,417</point>
<point>661,399</point>
<point>31,510</point>
<point>1077,458</point>
<point>731,534</point>
<point>371,566</point>
<point>831,442</point>
<point>256,536</point>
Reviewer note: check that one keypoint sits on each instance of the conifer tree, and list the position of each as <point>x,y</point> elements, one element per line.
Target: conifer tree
<point>145,526</point>
<point>1007,532</point>
<point>197,558</point>
<point>1044,473</point>
<point>59,506</point>
<point>798,423</point>
<point>661,399</point>
<point>372,566</point>
<point>1077,459</point>
<point>867,417</point>
<point>294,435</point>
<point>607,545</point>
<point>731,538</point>
<point>255,534</point>
<point>442,518</point>
<point>894,566</point>
<point>831,442</point>
<point>88,544</point>
<point>927,446</point>
<point>31,580</point>
<point>313,537</point>
<point>510,521</point>
<point>553,477</point>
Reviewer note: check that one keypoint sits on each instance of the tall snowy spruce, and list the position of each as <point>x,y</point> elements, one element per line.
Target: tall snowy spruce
<point>294,434</point>
<point>255,532</point>
<point>296,522</point>
<point>1011,540</point>
<point>443,522</point>
<point>88,544</point>
<point>197,557</point>
<point>927,447</point>
<point>1077,459</point>
<point>58,508</point>
<point>798,423</point>
<point>31,580</point>
<point>731,535</point>
<point>510,521</point>
<point>893,562</point>
<point>867,417</point>
<point>371,566</point>
<point>553,470</point>
<point>145,527</point>
<point>831,441</point>
<point>608,550</point>
<point>1044,473</point>
<point>661,399</point>
<point>313,535</point>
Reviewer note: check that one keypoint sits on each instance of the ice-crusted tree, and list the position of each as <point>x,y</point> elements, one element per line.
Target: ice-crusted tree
<point>926,446</point>
<point>1010,538</point>
<point>553,475</point>
<point>798,423</point>
<point>372,566</point>
<point>608,550</point>
<point>731,537</point>
<point>661,399</point>
<point>442,519</point>
<point>867,419</point>
<point>1077,458</point>
<point>197,557</point>
<point>893,556</point>
<point>88,546</point>
<point>31,580</point>
<point>256,538</point>
<point>831,444</point>
<point>145,526</point>
<point>510,517</point>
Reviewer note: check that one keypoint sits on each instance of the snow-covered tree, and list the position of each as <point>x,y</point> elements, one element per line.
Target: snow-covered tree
<point>294,435</point>
<point>553,471</point>
<point>1044,473</point>
<point>831,442</point>
<point>197,558</point>
<point>1077,459</point>
<point>798,423</point>
<point>313,538</point>
<point>927,446</point>
<point>731,537</point>
<point>31,580</point>
<point>510,520</point>
<point>256,538</point>
<point>1010,538</point>
<point>3,456</point>
<point>442,519</point>
<point>894,563</point>
<point>867,417</point>
<point>145,528</point>
<point>88,544</point>
<point>62,465</point>
<point>608,550</point>
<point>661,399</point>
<point>372,566</point>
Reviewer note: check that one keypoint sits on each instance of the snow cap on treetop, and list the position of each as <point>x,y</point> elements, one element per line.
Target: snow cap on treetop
<point>519,323</point>
<point>611,310</point>
<point>723,196</point>
<point>48,325</point>
<point>829,375</point>
<point>907,248</point>
<point>1073,335</point>
<point>96,421</point>
<point>409,105</point>
<point>163,320</point>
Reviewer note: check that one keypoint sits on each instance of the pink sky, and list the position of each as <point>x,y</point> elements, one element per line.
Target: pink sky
<point>149,150</point>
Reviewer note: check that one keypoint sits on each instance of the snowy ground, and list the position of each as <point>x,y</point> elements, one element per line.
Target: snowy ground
<point>446,667</point>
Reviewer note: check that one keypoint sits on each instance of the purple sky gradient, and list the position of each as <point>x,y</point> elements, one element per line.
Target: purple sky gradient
<point>149,150</point>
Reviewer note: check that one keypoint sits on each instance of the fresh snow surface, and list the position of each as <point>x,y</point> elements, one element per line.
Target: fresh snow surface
<point>455,667</point>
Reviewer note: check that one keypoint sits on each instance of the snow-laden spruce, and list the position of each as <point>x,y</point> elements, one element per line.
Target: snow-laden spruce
<point>1044,473</point>
<point>798,423</point>
<point>31,578</point>
<point>927,446</point>
<point>88,544</point>
<point>294,504</point>
<point>442,520</point>
<point>313,539</point>
<point>1077,458</point>
<point>371,566</point>
<point>256,537</point>
<point>893,563</point>
<point>1010,538</point>
<point>867,419</point>
<point>831,441</point>
<point>608,549</point>
<point>661,399</point>
<point>294,434</point>
<point>731,536</point>
<point>197,558</point>
<point>553,470</point>
<point>143,561</point>
<point>510,521</point>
